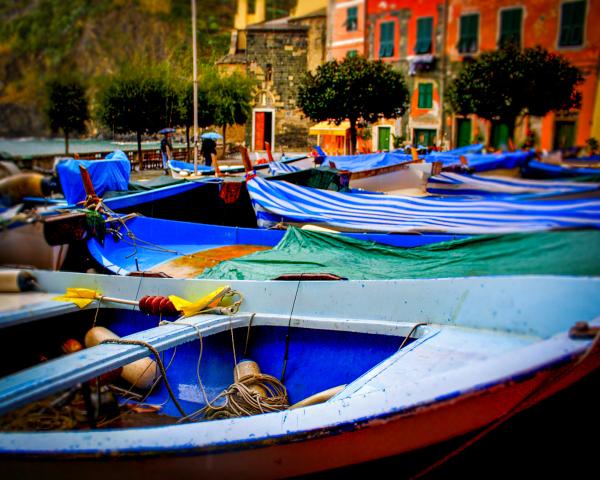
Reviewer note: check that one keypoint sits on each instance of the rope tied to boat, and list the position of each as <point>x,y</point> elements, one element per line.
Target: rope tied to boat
<point>242,398</point>
<point>163,372</point>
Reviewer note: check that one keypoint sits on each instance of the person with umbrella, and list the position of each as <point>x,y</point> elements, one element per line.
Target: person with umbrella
<point>209,146</point>
<point>166,148</point>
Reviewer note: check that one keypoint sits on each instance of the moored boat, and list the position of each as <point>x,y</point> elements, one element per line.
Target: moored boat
<point>409,373</point>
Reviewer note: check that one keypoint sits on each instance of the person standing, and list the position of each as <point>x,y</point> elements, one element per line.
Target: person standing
<point>166,151</point>
<point>209,147</point>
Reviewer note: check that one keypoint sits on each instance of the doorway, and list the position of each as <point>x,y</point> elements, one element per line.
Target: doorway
<point>263,129</point>
<point>383,139</point>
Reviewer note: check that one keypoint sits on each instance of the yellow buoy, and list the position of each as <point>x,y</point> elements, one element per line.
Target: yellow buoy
<point>141,373</point>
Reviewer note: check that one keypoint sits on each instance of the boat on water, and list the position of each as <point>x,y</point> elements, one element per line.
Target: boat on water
<point>278,203</point>
<point>369,369</point>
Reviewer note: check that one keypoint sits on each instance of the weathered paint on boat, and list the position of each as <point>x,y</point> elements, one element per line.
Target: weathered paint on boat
<point>492,346</point>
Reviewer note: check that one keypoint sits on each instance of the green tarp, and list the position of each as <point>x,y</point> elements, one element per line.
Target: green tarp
<point>574,252</point>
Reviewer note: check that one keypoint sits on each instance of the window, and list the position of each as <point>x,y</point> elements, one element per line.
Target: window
<point>424,33</point>
<point>424,136</point>
<point>425,95</point>
<point>510,27</point>
<point>352,19</point>
<point>469,27</point>
<point>572,16</point>
<point>386,40</point>
<point>352,53</point>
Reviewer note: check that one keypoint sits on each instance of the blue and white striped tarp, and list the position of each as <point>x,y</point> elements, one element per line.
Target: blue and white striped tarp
<point>449,183</point>
<point>275,168</point>
<point>276,202</point>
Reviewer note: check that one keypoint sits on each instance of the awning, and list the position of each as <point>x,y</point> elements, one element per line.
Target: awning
<point>329,128</point>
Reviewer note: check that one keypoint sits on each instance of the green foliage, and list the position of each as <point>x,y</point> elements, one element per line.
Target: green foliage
<point>139,101</point>
<point>593,146</point>
<point>509,82</point>
<point>66,106</point>
<point>231,98</point>
<point>354,88</point>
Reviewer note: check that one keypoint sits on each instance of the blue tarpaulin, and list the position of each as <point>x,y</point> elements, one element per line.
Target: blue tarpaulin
<point>109,174</point>
<point>481,162</point>
<point>369,161</point>
<point>179,165</point>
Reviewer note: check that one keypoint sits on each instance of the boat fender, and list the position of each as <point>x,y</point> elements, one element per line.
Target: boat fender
<point>16,281</point>
<point>141,373</point>
<point>14,188</point>
<point>317,398</point>
<point>156,305</point>
<point>246,369</point>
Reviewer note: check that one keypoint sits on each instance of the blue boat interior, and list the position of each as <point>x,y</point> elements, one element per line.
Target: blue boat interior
<point>316,359</point>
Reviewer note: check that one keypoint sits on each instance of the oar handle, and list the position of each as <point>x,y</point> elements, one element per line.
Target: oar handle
<point>118,300</point>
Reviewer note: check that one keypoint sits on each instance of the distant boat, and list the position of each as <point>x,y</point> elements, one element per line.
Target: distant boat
<point>566,169</point>
<point>284,203</point>
<point>373,368</point>
<point>23,239</point>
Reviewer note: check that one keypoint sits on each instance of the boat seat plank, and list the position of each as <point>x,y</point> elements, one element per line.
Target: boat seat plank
<point>442,350</point>
<point>16,308</point>
<point>56,375</point>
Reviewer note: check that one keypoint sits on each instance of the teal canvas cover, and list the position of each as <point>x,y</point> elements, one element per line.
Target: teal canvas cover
<point>569,252</point>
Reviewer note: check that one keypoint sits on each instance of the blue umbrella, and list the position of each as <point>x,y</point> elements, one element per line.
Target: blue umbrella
<point>211,135</point>
<point>166,130</point>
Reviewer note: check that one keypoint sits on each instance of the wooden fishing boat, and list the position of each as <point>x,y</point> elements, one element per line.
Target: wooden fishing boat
<point>388,172</point>
<point>564,169</point>
<point>474,160</point>
<point>371,369</point>
<point>185,250</point>
<point>283,203</point>
<point>23,234</point>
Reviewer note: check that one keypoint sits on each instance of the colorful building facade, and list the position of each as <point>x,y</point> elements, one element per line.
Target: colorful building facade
<point>277,53</point>
<point>429,39</point>
<point>566,27</point>
<point>346,25</point>
<point>409,35</point>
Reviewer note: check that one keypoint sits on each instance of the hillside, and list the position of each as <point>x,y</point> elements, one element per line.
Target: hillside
<point>39,38</point>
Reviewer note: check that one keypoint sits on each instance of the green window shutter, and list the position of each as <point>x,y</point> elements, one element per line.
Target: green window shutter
<point>510,26</point>
<point>425,95</point>
<point>424,35</point>
<point>351,53</point>
<point>352,19</point>
<point>386,40</point>
<point>571,24</point>
<point>469,30</point>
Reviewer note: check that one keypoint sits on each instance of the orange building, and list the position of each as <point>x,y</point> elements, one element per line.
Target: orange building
<point>567,27</point>
<point>346,24</point>
<point>409,34</point>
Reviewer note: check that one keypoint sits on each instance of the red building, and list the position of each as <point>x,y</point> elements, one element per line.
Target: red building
<point>429,39</point>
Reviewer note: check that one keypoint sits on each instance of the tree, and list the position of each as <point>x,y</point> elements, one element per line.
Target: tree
<point>507,83</point>
<point>137,101</point>
<point>354,88</point>
<point>231,97</point>
<point>186,107</point>
<point>67,106</point>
